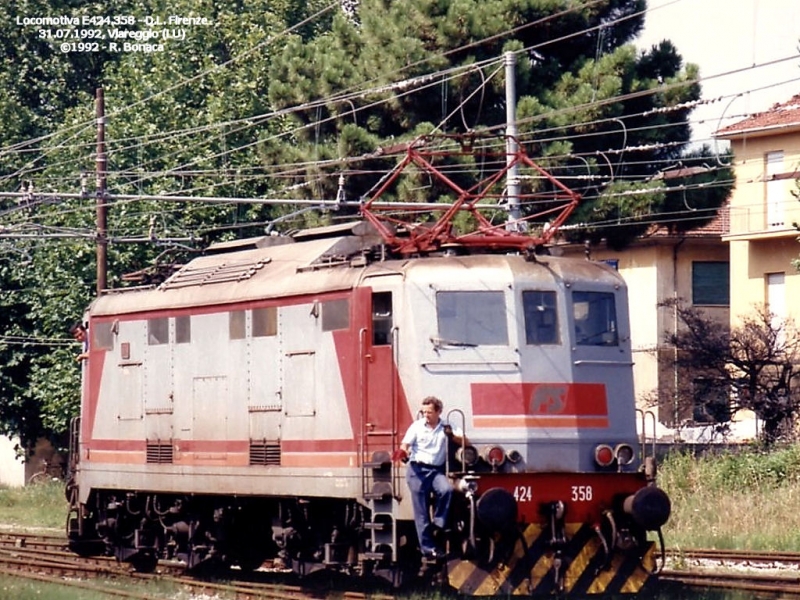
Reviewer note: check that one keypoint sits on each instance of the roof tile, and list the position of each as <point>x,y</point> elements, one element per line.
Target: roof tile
<point>784,114</point>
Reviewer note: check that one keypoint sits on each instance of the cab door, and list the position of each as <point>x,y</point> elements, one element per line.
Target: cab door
<point>379,385</point>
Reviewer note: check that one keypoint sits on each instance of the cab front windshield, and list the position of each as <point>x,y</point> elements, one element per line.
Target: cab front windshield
<point>595,318</point>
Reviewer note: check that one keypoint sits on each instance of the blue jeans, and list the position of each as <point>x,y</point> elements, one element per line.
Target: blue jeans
<point>422,480</point>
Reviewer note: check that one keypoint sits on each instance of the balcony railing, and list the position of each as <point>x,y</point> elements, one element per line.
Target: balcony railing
<point>760,219</point>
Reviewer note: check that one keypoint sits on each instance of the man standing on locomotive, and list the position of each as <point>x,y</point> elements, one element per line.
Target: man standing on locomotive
<point>425,447</point>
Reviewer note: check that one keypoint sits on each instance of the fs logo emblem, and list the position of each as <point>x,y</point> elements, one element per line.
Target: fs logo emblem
<point>548,399</point>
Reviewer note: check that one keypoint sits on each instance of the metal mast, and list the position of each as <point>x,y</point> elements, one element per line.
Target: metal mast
<point>512,175</point>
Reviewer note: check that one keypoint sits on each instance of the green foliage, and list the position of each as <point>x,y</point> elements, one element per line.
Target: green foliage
<point>41,505</point>
<point>623,211</point>
<point>276,99</point>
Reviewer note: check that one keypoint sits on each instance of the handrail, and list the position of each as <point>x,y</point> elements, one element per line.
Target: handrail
<point>463,436</point>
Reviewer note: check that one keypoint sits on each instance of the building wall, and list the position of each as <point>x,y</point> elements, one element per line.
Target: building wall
<point>12,469</point>
<point>762,236</point>
<point>754,261</point>
<point>16,471</point>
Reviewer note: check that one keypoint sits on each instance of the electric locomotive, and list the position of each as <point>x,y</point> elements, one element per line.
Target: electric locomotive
<point>246,409</point>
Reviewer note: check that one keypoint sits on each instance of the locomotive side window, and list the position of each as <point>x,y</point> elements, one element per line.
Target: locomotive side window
<point>236,325</point>
<point>472,318</point>
<point>335,314</point>
<point>265,321</point>
<point>183,330</point>
<point>595,317</point>
<point>102,336</point>
<point>157,331</point>
<point>541,317</point>
<point>381,318</point>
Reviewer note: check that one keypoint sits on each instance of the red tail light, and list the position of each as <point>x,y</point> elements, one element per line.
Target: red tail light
<point>494,455</point>
<point>604,455</point>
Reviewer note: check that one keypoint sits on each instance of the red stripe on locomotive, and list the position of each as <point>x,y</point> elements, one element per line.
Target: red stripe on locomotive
<point>578,405</point>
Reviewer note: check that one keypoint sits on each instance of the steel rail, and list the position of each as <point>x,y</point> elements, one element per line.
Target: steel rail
<point>43,558</point>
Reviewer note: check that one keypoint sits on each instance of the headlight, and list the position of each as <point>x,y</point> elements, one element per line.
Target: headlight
<point>467,456</point>
<point>624,453</point>
<point>513,456</point>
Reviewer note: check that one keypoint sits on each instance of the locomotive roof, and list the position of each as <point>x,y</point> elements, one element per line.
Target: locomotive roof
<point>283,269</point>
<point>287,268</point>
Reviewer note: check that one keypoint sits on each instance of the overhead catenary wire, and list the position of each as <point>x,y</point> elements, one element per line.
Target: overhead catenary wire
<point>398,85</point>
<point>332,163</point>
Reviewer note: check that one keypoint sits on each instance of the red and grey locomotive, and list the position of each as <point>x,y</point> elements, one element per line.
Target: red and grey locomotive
<point>246,409</point>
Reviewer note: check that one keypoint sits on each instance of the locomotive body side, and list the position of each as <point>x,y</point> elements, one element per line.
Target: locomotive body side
<point>246,410</point>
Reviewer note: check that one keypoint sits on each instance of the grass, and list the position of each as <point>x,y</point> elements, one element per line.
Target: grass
<point>40,506</point>
<point>736,500</point>
<point>13,588</point>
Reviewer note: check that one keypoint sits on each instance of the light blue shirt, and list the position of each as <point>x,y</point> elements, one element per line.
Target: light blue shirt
<point>427,445</point>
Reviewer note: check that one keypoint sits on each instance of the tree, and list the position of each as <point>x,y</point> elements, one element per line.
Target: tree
<point>590,108</point>
<point>186,121</point>
<point>757,362</point>
<point>278,98</point>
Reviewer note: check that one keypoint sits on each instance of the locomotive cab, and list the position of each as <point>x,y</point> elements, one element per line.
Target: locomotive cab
<point>537,356</point>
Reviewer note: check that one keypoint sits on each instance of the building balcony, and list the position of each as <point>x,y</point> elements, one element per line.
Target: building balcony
<point>755,222</point>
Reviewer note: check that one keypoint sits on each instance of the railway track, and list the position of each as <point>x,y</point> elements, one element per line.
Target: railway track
<point>46,559</point>
<point>751,571</point>
<point>785,586</point>
<point>756,559</point>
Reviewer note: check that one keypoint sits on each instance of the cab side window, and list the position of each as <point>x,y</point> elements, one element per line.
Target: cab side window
<point>381,318</point>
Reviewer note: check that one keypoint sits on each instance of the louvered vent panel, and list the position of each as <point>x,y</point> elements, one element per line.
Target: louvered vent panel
<point>158,453</point>
<point>216,273</point>
<point>265,453</point>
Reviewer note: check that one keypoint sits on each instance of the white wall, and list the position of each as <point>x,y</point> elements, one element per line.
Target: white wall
<point>12,469</point>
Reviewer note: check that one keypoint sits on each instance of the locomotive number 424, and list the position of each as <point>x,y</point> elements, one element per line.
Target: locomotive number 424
<point>579,493</point>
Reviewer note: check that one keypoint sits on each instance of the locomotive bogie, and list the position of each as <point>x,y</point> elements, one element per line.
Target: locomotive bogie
<point>246,409</point>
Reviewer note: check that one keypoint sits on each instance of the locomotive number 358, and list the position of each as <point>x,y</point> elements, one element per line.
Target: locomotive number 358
<point>582,493</point>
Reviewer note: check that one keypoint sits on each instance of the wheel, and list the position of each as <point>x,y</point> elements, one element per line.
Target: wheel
<point>40,477</point>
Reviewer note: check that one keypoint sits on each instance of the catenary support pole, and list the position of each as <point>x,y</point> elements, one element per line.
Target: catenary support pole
<point>101,167</point>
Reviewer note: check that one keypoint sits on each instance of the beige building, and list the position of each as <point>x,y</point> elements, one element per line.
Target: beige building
<point>694,267</point>
<point>764,211</point>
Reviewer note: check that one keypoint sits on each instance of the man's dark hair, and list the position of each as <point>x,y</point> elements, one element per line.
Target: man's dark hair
<point>435,402</point>
<point>76,326</point>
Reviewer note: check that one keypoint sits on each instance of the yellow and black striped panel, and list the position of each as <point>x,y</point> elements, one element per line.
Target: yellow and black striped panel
<point>583,567</point>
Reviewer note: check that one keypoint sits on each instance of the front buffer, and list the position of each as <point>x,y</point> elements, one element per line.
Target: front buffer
<point>540,534</point>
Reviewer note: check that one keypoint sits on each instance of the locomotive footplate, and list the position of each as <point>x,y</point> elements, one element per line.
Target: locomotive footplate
<point>535,568</point>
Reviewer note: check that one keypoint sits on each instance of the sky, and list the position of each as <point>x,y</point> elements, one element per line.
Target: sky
<point>731,41</point>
